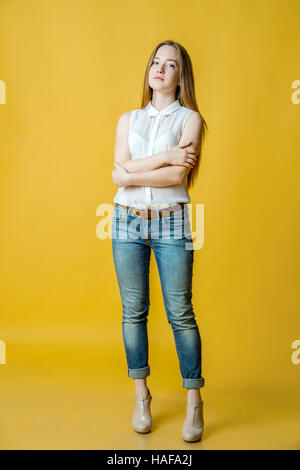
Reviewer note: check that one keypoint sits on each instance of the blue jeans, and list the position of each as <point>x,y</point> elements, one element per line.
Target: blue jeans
<point>132,240</point>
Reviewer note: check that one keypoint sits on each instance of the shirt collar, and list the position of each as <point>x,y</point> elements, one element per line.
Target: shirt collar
<point>166,111</point>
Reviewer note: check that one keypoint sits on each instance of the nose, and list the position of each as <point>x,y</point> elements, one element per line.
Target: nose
<point>159,69</point>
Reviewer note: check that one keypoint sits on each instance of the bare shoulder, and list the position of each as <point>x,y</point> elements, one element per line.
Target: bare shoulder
<point>123,122</point>
<point>122,151</point>
<point>192,127</point>
<point>194,117</point>
<point>125,116</point>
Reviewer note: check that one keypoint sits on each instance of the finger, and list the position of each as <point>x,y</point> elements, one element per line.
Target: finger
<point>185,145</point>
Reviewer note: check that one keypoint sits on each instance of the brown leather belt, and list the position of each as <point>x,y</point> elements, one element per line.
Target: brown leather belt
<point>148,213</point>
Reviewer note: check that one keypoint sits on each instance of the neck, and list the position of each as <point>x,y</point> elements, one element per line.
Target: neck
<point>160,101</point>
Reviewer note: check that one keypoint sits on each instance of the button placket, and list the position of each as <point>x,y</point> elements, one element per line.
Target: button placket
<point>150,151</point>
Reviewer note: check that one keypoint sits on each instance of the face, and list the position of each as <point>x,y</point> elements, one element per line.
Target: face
<point>166,66</point>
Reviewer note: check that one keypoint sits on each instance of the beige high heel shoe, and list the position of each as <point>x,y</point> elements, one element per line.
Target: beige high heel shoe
<point>142,423</point>
<point>190,431</point>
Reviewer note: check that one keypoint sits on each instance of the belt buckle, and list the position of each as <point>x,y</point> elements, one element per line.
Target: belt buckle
<point>137,212</point>
<point>144,213</point>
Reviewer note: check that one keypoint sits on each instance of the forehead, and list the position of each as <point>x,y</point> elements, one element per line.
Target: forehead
<point>167,51</point>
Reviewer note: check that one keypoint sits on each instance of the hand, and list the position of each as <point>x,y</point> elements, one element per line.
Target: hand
<point>120,175</point>
<point>182,156</point>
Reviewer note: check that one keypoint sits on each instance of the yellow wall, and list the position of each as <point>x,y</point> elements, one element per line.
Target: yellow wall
<point>71,68</point>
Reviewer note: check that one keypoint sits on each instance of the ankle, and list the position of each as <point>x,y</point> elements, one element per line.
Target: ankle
<point>193,396</point>
<point>140,388</point>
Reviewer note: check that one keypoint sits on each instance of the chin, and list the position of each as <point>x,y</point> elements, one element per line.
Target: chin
<point>157,84</point>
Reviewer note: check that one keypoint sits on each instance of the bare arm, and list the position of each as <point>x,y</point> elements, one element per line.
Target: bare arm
<point>158,178</point>
<point>191,133</point>
<point>170,174</point>
<point>123,155</point>
<point>152,162</point>
<point>173,174</point>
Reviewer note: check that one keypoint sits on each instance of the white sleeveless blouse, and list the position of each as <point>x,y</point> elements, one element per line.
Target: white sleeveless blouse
<point>150,132</point>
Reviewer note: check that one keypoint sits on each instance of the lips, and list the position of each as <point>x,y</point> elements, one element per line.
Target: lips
<point>158,78</point>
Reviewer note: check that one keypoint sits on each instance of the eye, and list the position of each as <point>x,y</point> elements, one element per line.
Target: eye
<point>156,62</point>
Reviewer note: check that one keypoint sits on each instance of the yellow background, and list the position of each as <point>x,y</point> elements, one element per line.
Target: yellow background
<point>71,68</point>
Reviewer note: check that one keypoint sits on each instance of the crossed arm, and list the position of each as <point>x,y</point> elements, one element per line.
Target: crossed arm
<point>155,170</point>
<point>157,178</point>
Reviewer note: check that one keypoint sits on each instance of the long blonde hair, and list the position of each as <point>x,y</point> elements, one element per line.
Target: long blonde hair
<point>185,93</point>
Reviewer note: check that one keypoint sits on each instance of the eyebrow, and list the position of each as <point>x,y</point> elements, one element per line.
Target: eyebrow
<point>167,59</point>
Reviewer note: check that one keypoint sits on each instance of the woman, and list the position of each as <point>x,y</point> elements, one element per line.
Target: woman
<point>157,152</point>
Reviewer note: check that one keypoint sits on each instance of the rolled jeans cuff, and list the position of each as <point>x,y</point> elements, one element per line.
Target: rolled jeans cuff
<point>193,383</point>
<point>139,373</point>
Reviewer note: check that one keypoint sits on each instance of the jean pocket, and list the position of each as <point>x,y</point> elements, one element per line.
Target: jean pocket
<point>177,224</point>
